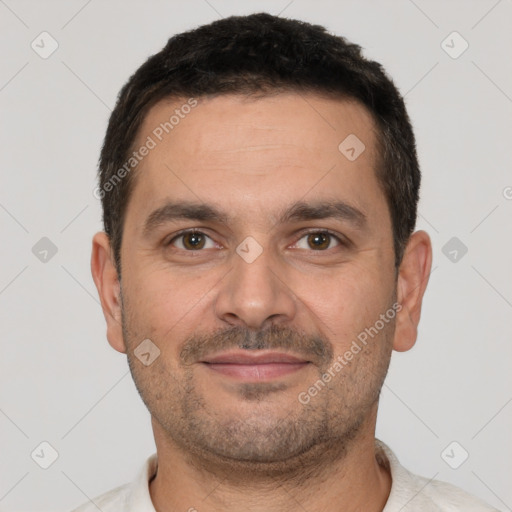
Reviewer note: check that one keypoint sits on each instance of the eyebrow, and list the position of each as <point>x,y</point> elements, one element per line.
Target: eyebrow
<point>182,210</point>
<point>298,211</point>
<point>301,211</point>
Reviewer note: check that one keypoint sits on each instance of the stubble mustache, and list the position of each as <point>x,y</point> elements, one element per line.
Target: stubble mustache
<point>314,348</point>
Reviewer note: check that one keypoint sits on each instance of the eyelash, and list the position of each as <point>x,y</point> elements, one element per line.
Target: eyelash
<point>341,241</point>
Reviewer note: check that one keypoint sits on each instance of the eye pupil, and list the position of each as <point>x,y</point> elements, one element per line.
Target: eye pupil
<point>193,240</point>
<point>319,240</point>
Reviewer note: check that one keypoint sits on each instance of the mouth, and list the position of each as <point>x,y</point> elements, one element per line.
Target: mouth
<point>255,367</point>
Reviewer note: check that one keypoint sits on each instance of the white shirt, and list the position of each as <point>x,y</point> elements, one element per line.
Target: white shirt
<point>409,492</point>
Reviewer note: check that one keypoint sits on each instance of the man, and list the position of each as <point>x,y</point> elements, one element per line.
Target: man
<point>259,184</point>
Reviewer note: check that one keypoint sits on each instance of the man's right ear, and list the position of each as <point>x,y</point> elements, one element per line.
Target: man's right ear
<point>106,279</point>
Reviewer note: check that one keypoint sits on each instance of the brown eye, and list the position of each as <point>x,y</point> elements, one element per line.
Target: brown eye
<point>319,241</point>
<point>191,241</point>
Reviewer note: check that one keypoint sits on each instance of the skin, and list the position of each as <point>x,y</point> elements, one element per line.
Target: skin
<point>222,443</point>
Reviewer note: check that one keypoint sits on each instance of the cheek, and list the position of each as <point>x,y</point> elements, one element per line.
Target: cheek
<point>348,302</point>
<point>167,306</point>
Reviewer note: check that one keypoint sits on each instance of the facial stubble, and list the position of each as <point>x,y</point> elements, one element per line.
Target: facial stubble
<point>271,440</point>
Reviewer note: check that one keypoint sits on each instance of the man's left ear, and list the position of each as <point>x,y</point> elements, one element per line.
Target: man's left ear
<point>413,276</point>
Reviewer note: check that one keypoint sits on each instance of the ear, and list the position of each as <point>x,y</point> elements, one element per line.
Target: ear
<point>413,276</point>
<point>106,279</point>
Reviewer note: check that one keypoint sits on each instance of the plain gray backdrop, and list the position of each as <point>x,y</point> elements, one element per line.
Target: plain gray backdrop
<point>61,383</point>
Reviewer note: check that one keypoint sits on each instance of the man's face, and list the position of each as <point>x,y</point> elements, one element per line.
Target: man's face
<point>298,262</point>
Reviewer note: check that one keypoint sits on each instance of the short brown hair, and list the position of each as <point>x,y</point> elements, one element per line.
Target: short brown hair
<point>263,54</point>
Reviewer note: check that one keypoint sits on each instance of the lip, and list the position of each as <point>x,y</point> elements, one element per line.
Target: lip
<point>247,358</point>
<point>255,367</point>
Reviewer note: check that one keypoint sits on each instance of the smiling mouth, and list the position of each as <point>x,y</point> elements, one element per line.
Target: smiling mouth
<point>255,367</point>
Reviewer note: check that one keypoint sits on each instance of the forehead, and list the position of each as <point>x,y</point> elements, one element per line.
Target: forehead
<point>261,150</point>
<point>318,122</point>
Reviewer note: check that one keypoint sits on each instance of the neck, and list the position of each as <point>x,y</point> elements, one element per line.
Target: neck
<point>327,478</point>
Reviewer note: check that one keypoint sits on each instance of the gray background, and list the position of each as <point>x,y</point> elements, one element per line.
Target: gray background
<point>60,381</point>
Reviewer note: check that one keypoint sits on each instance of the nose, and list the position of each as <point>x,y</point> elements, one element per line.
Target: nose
<point>255,294</point>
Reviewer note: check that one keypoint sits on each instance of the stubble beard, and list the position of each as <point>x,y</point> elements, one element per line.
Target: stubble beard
<point>282,445</point>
